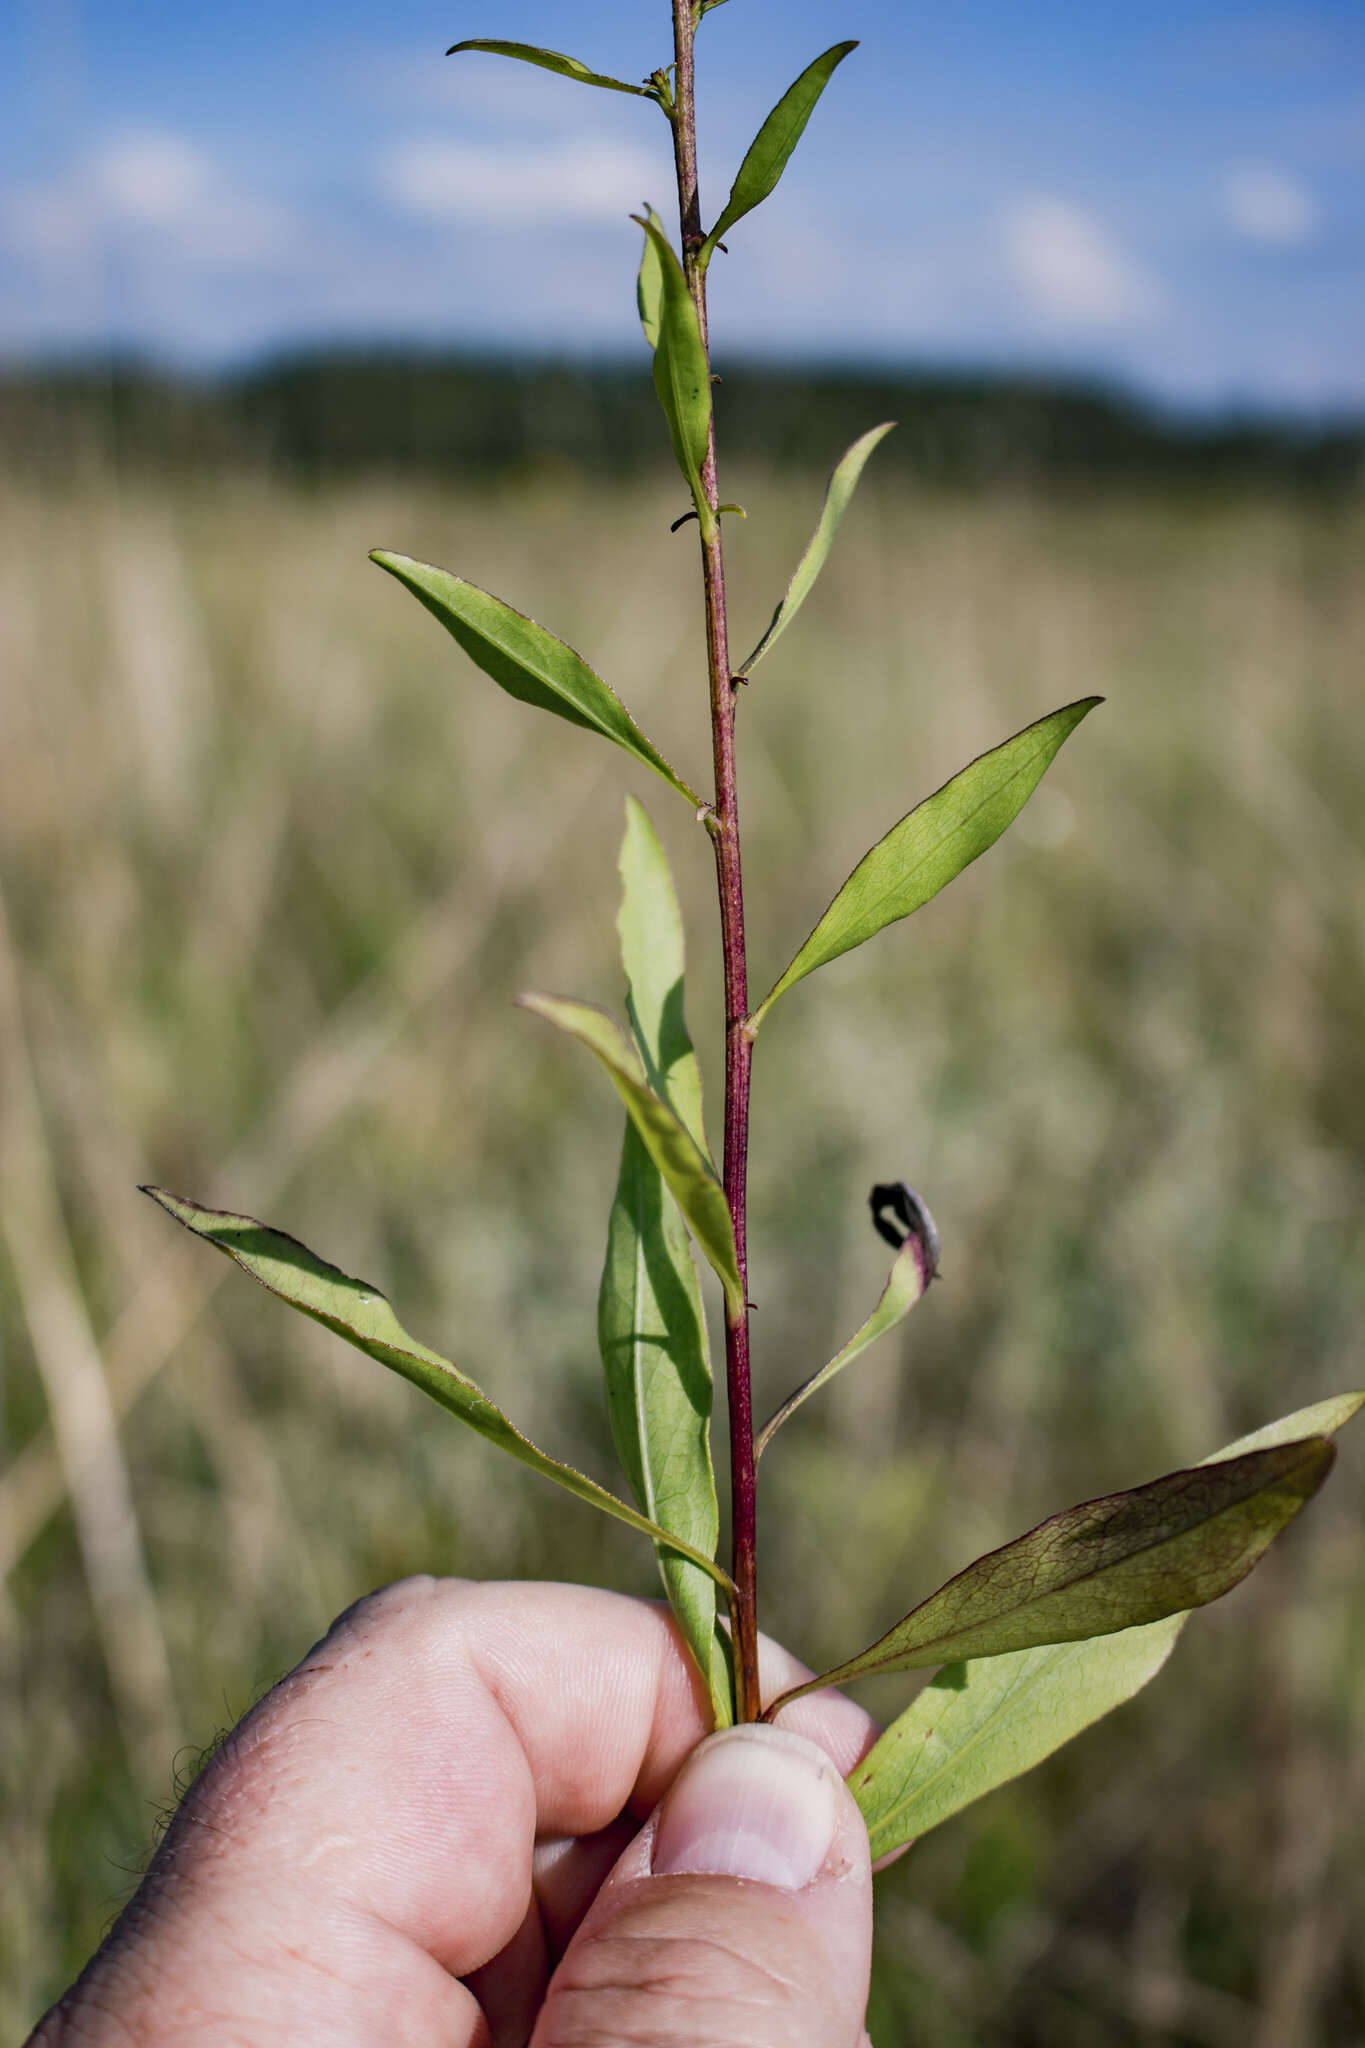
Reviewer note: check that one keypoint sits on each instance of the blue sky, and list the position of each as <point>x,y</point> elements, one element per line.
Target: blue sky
<point>1167,195</point>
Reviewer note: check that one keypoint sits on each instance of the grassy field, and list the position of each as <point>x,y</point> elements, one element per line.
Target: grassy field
<point>274,861</point>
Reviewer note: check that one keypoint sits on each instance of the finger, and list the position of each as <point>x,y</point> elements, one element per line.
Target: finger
<point>365,1837</point>
<point>743,1910</point>
<point>568,1872</point>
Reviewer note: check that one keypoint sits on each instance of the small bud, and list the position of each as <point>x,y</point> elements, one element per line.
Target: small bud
<point>911,1219</point>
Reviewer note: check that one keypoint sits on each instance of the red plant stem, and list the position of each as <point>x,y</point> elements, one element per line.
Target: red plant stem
<point>724,829</point>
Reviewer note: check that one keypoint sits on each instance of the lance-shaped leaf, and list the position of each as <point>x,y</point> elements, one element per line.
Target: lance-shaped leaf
<point>1108,1564</point>
<point>682,375</point>
<point>361,1314</point>
<point>526,660</point>
<point>932,844</point>
<point>649,287</point>
<point>977,1725</point>
<point>650,927</point>
<point>689,1174</point>
<point>651,1327</point>
<point>983,1722</point>
<point>766,157</point>
<point>1324,1418</point>
<point>840,488</point>
<point>551,60</point>
<point>908,1279</point>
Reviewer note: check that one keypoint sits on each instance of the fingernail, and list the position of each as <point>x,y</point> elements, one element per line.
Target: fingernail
<point>753,1802</point>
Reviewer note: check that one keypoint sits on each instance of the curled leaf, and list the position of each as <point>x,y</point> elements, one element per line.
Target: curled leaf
<point>526,661</point>
<point>840,488</point>
<point>354,1310</point>
<point>551,60</point>
<point>649,287</point>
<point>932,844</point>
<point>682,374</point>
<point>687,1171</point>
<point>915,1267</point>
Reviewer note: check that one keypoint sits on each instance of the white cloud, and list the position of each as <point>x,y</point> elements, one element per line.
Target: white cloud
<point>1072,271</point>
<point>151,178</point>
<point>584,178</point>
<point>1267,205</point>
<point>151,192</point>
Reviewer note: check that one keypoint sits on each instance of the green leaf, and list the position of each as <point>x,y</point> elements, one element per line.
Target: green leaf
<point>360,1313</point>
<point>649,289</point>
<point>982,1722</point>
<point>934,842</point>
<point>1324,1418</point>
<point>650,1323</point>
<point>682,375</point>
<point>650,928</point>
<point>651,1331</point>
<point>1109,1564</point>
<point>688,1173</point>
<point>977,1725</point>
<point>766,157</point>
<point>551,60</point>
<point>908,1280</point>
<point>526,661</point>
<point>840,488</point>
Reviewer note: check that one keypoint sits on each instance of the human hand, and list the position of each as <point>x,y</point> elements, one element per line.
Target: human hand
<point>445,1826</point>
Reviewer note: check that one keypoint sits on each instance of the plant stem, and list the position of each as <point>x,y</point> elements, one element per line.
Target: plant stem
<point>724,829</point>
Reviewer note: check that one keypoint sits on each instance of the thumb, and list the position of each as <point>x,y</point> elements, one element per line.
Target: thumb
<point>742,1912</point>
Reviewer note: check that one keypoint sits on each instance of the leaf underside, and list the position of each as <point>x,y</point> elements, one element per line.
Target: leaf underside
<point>359,1313</point>
<point>526,660</point>
<point>976,1725</point>
<point>687,1171</point>
<point>933,843</point>
<point>986,1720</point>
<point>550,60</point>
<point>650,1321</point>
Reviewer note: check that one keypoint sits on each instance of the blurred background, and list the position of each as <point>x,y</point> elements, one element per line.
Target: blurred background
<point>274,860</point>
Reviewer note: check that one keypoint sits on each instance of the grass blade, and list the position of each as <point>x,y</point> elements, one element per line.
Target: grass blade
<point>682,375</point>
<point>551,60</point>
<point>362,1315</point>
<point>767,155</point>
<point>650,1322</point>
<point>931,844</point>
<point>689,1175</point>
<point>840,488</point>
<point>526,661</point>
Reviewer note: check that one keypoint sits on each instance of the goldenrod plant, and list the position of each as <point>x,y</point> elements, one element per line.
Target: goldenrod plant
<point>1036,1639</point>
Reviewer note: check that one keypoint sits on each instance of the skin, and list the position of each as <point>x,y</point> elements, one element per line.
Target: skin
<point>477,1816</point>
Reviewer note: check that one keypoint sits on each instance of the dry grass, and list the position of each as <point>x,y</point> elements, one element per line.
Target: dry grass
<point>274,859</point>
